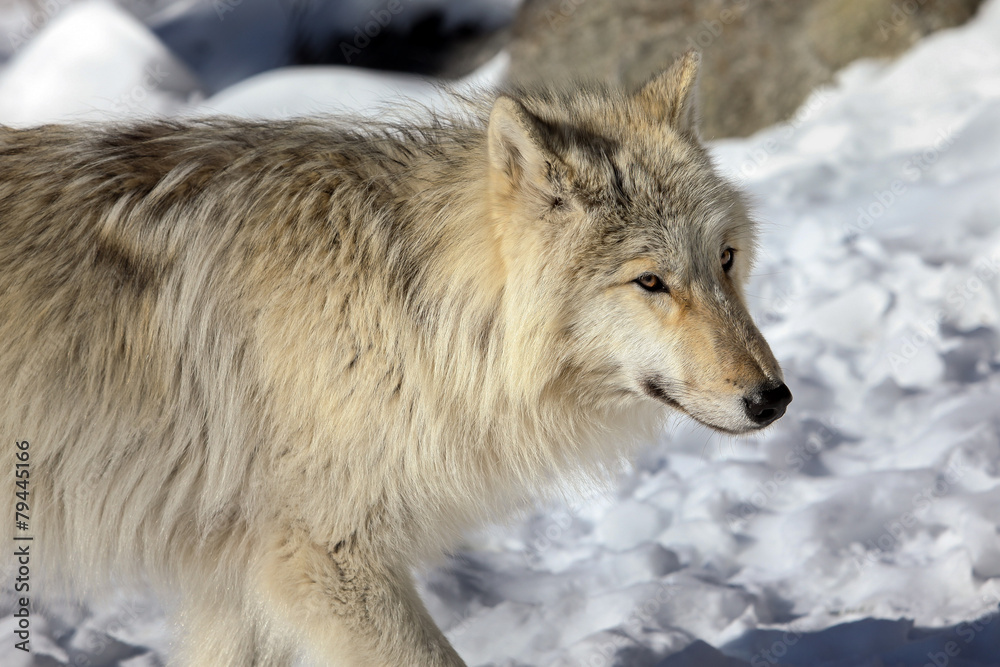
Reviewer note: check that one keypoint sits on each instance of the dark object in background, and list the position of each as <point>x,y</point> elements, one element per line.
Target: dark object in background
<point>228,41</point>
<point>428,44</point>
<point>761,58</point>
<point>225,41</point>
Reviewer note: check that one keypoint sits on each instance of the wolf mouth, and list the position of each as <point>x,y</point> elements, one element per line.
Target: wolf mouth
<point>654,389</point>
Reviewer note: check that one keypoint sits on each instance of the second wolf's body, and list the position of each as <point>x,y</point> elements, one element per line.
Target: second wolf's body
<point>271,367</point>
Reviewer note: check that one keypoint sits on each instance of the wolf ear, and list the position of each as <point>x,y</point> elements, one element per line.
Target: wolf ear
<point>516,149</point>
<point>671,97</point>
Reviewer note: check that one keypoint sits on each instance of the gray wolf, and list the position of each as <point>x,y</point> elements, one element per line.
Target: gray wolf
<point>271,367</point>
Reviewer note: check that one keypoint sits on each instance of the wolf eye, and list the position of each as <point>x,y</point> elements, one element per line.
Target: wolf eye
<point>728,256</point>
<point>651,283</point>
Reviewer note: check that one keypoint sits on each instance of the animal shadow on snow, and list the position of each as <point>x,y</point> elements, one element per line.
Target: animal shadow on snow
<point>869,642</point>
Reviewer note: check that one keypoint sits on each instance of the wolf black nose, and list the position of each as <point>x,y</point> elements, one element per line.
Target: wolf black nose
<point>769,405</point>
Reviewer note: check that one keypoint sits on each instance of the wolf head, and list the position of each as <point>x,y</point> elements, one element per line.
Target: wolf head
<point>627,252</point>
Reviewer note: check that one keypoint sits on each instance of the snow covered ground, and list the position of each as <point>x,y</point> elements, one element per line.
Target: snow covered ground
<point>860,530</point>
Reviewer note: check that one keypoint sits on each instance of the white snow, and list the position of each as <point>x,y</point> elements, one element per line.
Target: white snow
<point>91,61</point>
<point>872,507</point>
<point>301,91</point>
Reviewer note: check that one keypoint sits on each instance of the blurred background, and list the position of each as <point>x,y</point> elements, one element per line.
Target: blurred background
<point>863,529</point>
<point>762,57</point>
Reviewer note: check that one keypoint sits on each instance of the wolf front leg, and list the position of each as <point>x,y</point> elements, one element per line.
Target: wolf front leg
<point>351,605</point>
<point>217,632</point>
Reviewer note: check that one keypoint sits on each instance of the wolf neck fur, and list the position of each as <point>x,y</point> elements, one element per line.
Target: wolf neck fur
<point>471,333</point>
